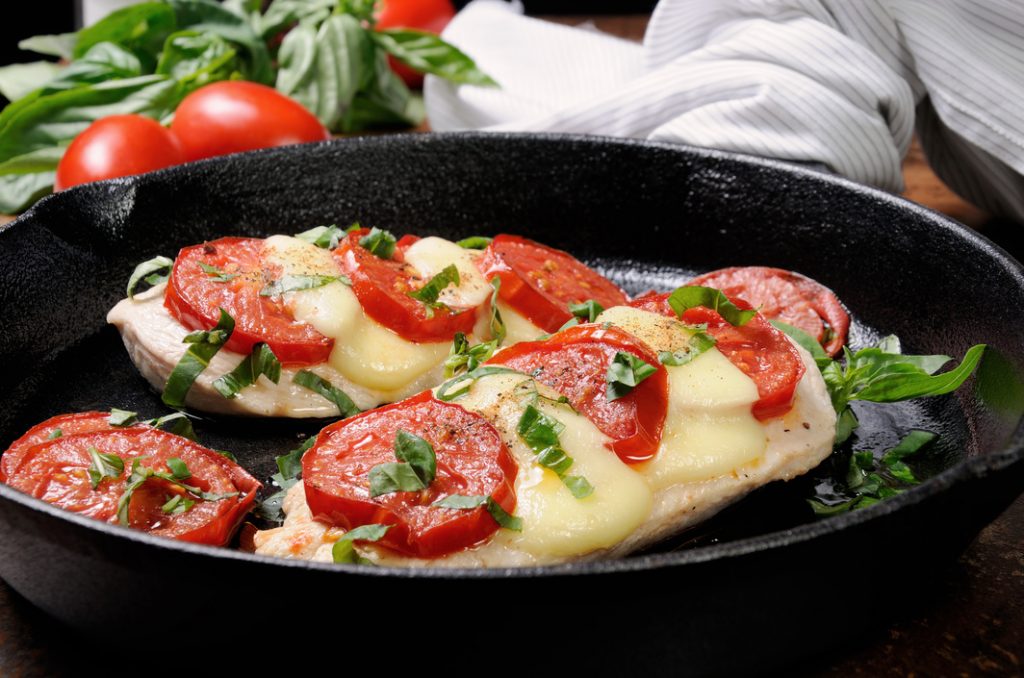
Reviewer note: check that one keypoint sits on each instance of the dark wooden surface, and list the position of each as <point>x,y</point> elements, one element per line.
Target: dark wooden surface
<point>973,623</point>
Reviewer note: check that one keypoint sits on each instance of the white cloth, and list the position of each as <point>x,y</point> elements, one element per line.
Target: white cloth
<point>838,82</point>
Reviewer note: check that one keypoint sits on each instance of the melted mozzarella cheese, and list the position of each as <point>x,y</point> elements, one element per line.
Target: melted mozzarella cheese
<point>517,327</point>
<point>429,256</point>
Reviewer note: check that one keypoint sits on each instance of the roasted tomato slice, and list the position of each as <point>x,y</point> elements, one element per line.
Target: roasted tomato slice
<point>540,282</point>
<point>57,471</point>
<point>471,460</point>
<point>575,363</point>
<point>54,427</point>
<point>383,286</point>
<point>761,351</point>
<point>195,296</point>
<point>787,296</point>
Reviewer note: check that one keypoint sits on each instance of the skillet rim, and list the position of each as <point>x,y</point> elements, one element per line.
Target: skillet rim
<point>963,471</point>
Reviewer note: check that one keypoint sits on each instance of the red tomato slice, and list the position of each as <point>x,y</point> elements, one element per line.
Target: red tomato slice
<point>56,471</point>
<point>784,295</point>
<point>69,424</point>
<point>471,460</point>
<point>382,287</point>
<point>575,363</point>
<point>540,282</point>
<point>195,299</point>
<point>761,351</point>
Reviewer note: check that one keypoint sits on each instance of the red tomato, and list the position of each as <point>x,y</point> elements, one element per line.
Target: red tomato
<point>117,146</point>
<point>195,299</point>
<point>233,116</point>
<point>56,471</point>
<point>382,287</point>
<point>761,351</point>
<point>540,282</point>
<point>575,363</point>
<point>69,424</point>
<point>790,297</point>
<point>471,460</point>
<point>425,15</point>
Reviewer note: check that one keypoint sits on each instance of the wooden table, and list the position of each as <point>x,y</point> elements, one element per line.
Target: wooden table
<point>974,625</point>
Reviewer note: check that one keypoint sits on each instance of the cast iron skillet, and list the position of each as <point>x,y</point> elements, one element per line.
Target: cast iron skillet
<point>761,584</point>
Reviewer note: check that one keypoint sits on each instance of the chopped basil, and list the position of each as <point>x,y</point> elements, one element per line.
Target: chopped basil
<point>526,393</point>
<point>430,292</point>
<point>344,551</point>
<point>290,464</point>
<point>911,444</point>
<point>179,469</point>
<point>684,298</point>
<point>326,237</point>
<point>203,345</point>
<point>447,391</point>
<point>587,311</point>
<point>625,373</point>
<point>379,242</point>
<point>540,433</point>
<point>415,470</point>
<point>217,275</point>
<point>260,361</point>
<point>464,357</point>
<point>296,283</point>
<point>497,325</point>
<point>318,384</point>
<point>140,474</point>
<point>54,434</point>
<point>104,466</point>
<point>153,271</point>
<point>177,423</point>
<point>177,504</point>
<point>120,417</point>
<point>699,343</point>
<point>468,502</point>
<point>475,242</point>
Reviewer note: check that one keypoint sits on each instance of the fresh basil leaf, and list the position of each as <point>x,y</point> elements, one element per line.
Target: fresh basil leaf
<point>555,458</point>
<point>896,381</point>
<point>429,53</point>
<point>497,325</point>
<point>579,486</point>
<point>383,99</point>
<point>855,473</point>
<point>468,502</point>
<point>430,292</point>
<point>179,469</point>
<point>120,417</point>
<point>141,29</point>
<point>586,311</point>
<point>343,550</point>
<point>104,61</point>
<point>418,453</point>
<point>215,274</point>
<point>18,80</point>
<point>902,472</point>
<point>140,474</point>
<point>290,464</point>
<point>464,357</point>
<point>823,510</point>
<point>54,434</point>
<point>540,433</point>
<point>260,361</point>
<point>699,343</point>
<point>571,322</point>
<point>177,504</point>
<point>625,372</point>
<point>61,45</point>
<point>159,266</point>
<point>526,393</point>
<point>208,16</point>
<point>691,296</point>
<point>325,237</point>
<point>297,283</point>
<point>378,242</point>
<point>394,477</point>
<point>104,466</point>
<point>318,384</point>
<point>912,443</point>
<point>809,343</point>
<point>282,15</point>
<point>26,178</point>
<point>197,59</point>
<point>447,391</point>
<point>202,347</point>
<point>177,423</point>
<point>846,423</point>
<point>475,242</point>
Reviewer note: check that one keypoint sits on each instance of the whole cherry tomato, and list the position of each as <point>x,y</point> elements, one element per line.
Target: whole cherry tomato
<point>233,116</point>
<point>424,15</point>
<point>117,146</point>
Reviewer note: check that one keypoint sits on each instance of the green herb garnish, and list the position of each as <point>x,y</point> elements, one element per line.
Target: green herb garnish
<point>587,311</point>
<point>469,502</point>
<point>415,470</point>
<point>260,361</point>
<point>448,391</point>
<point>177,504</point>
<point>318,384</point>
<point>104,466</point>
<point>203,345</point>
<point>140,474</point>
<point>296,283</point>
<point>625,373</point>
<point>475,242</point>
<point>466,357</point>
<point>122,418</point>
<point>379,242</point>
<point>430,292</point>
<point>344,551</point>
<point>154,271</point>
<point>685,298</point>
<point>215,274</point>
<point>497,325</point>
<point>699,343</point>
<point>326,237</point>
<point>540,433</point>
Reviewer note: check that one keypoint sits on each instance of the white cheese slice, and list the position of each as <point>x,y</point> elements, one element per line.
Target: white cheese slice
<point>430,256</point>
<point>517,327</point>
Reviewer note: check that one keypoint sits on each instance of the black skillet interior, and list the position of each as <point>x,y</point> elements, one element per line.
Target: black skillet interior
<point>648,216</point>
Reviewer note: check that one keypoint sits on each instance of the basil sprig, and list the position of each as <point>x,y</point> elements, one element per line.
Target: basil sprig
<point>691,296</point>
<point>448,391</point>
<point>104,466</point>
<point>466,357</point>
<point>260,361</point>
<point>625,372</point>
<point>428,53</point>
<point>153,271</point>
<point>540,433</point>
<point>497,325</point>
<point>325,237</point>
<point>296,283</point>
<point>469,502</point>
<point>862,480</point>
<point>475,242</point>
<point>415,470</point>
<point>119,417</point>
<point>177,423</point>
<point>699,343</point>
<point>179,473</point>
<point>430,292</point>
<point>215,274</point>
<point>203,345</point>
<point>379,242</point>
<point>344,550</point>
<point>177,504</point>
<point>314,382</point>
